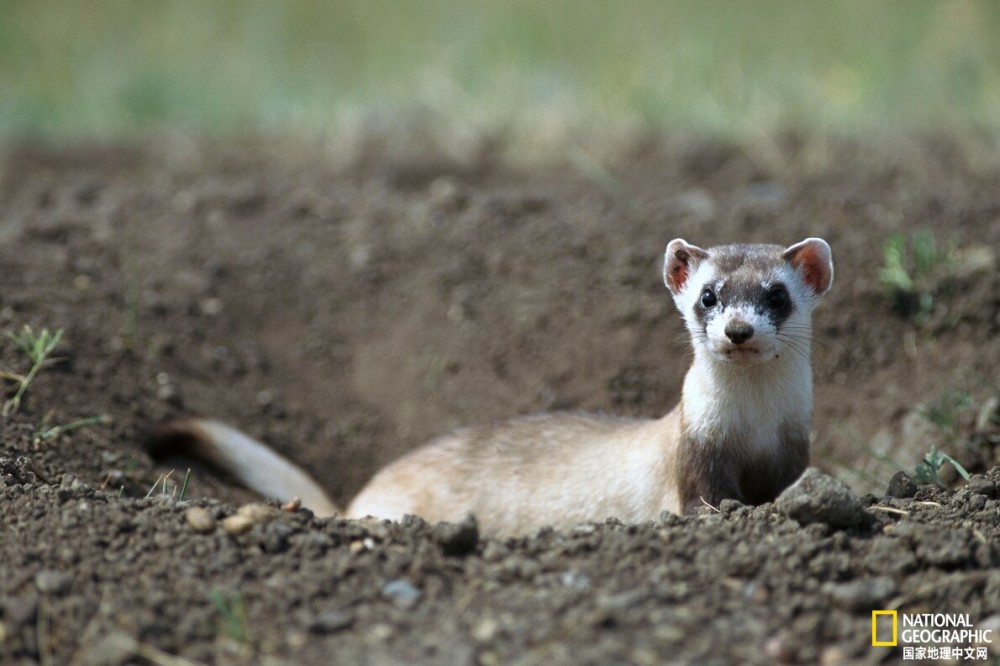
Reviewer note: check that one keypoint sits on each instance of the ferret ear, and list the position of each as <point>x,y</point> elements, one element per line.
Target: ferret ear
<point>813,259</point>
<point>679,262</point>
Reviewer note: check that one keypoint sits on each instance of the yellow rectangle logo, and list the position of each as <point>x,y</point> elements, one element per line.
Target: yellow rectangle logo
<point>875,641</point>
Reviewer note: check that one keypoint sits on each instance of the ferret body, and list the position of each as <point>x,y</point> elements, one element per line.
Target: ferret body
<point>740,431</point>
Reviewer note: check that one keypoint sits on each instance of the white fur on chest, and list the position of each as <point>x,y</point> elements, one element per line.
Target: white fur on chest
<point>752,404</point>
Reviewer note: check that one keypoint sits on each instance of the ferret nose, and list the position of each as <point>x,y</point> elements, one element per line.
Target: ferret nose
<point>739,332</point>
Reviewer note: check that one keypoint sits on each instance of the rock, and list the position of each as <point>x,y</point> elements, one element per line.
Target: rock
<point>781,648</point>
<point>457,538</point>
<point>54,582</point>
<point>869,499</point>
<point>980,484</point>
<point>486,630</point>
<point>237,524</point>
<point>402,592</point>
<point>833,655</point>
<point>820,498</point>
<point>200,519</point>
<point>901,485</point>
<point>329,621</point>
<point>246,517</point>
<point>575,580</point>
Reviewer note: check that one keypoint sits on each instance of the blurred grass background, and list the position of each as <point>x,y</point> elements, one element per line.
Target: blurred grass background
<point>111,67</point>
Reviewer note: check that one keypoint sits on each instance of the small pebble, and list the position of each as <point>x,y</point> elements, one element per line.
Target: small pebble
<point>901,485</point>
<point>54,582</point>
<point>246,517</point>
<point>781,649</point>
<point>330,621</point>
<point>200,519</point>
<point>486,630</point>
<point>210,306</point>
<point>402,592</point>
<point>237,524</point>
<point>381,631</point>
<point>833,655</point>
<point>575,580</point>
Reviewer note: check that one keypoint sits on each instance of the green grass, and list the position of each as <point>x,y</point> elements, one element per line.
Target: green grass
<point>168,488</point>
<point>928,470</point>
<point>914,269</point>
<point>106,67</point>
<point>961,423</point>
<point>47,432</point>
<point>37,347</point>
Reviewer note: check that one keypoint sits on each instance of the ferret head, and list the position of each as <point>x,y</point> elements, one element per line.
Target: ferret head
<point>747,304</point>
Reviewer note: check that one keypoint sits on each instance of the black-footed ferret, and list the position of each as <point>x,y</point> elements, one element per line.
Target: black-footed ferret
<point>741,430</point>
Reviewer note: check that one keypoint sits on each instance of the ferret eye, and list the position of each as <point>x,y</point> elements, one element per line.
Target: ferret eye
<point>708,298</point>
<point>777,299</point>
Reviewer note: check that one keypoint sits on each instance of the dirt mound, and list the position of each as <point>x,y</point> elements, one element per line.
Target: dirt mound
<point>346,312</point>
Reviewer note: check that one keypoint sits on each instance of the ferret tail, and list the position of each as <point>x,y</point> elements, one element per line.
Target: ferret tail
<point>250,462</point>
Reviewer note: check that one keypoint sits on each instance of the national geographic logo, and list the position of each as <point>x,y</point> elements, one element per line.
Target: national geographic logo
<point>948,636</point>
<point>886,616</point>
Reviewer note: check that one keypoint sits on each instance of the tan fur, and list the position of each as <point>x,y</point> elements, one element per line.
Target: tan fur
<point>740,431</point>
<point>551,469</point>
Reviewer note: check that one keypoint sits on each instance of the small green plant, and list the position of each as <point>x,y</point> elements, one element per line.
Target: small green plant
<point>912,271</point>
<point>184,486</point>
<point>928,470</point>
<point>950,415</point>
<point>168,488</point>
<point>37,348</point>
<point>233,612</point>
<point>161,481</point>
<point>46,432</point>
